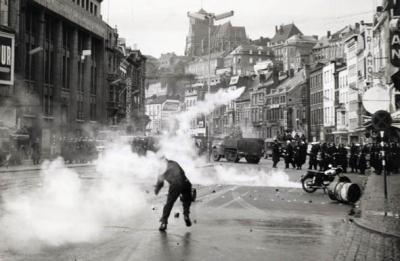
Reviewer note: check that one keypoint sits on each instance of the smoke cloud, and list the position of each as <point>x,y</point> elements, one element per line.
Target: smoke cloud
<point>67,209</point>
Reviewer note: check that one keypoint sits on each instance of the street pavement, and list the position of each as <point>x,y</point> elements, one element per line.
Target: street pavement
<point>375,234</point>
<point>230,222</point>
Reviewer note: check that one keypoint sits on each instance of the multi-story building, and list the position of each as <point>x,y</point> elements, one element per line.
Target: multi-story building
<point>244,57</point>
<point>342,107</point>
<point>192,95</point>
<point>296,51</point>
<point>351,48</point>
<point>316,103</point>
<point>286,105</point>
<point>328,85</point>
<point>65,62</point>
<point>243,113</point>
<point>282,34</point>
<point>224,37</point>
<point>330,47</point>
<point>201,67</point>
<point>161,111</point>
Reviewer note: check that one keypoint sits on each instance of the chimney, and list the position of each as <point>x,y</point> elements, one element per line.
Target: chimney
<point>357,25</point>
<point>328,34</point>
<point>315,37</point>
<point>276,28</point>
<point>281,29</point>
<point>275,74</point>
<point>362,22</point>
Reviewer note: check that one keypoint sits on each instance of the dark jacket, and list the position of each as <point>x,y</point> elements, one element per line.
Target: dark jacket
<point>174,175</point>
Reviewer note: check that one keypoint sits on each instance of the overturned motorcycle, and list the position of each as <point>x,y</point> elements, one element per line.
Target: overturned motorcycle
<point>314,179</point>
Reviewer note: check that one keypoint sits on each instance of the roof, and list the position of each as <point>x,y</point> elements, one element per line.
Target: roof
<point>248,47</point>
<point>284,32</point>
<point>245,94</point>
<point>160,99</point>
<point>299,38</point>
<point>292,82</point>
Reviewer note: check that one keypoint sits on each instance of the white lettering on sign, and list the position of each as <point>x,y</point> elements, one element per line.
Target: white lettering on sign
<point>396,39</point>
<point>395,54</point>
<point>5,55</point>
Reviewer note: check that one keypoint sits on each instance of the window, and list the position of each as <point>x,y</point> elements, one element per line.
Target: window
<point>91,7</point>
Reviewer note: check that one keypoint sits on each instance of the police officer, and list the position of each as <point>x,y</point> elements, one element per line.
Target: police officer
<point>178,185</point>
<point>313,157</point>
<point>289,155</point>
<point>342,157</point>
<point>275,153</point>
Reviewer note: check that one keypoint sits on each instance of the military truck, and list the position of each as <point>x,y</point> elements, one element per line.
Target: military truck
<point>233,149</point>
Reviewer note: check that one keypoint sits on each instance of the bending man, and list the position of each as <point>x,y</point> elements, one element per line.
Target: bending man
<point>178,185</point>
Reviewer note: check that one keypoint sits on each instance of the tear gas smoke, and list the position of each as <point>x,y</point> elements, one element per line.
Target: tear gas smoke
<point>67,210</point>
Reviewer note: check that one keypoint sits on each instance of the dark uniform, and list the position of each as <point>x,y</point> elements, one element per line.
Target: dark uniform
<point>275,153</point>
<point>289,156</point>
<point>353,158</point>
<point>313,162</point>
<point>342,157</point>
<point>178,185</point>
<point>362,162</point>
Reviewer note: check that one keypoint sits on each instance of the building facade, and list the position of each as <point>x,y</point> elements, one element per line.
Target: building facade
<point>328,78</point>
<point>65,60</point>
<point>224,37</point>
<point>316,103</point>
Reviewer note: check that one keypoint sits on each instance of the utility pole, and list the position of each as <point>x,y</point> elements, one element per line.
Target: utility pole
<point>210,18</point>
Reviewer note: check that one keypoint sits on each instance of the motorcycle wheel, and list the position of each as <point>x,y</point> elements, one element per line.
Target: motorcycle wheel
<point>306,187</point>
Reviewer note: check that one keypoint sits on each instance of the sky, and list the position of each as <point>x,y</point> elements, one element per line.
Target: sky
<point>161,26</point>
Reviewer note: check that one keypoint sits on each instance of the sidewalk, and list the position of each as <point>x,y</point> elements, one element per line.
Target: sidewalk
<point>31,167</point>
<point>374,235</point>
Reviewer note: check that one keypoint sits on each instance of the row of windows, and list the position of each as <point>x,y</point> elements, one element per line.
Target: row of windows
<point>316,81</point>
<point>265,114</point>
<point>316,98</point>
<point>276,100</point>
<point>88,5</point>
<point>316,117</point>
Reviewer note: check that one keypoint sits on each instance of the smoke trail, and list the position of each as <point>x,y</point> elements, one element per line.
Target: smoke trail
<point>67,210</point>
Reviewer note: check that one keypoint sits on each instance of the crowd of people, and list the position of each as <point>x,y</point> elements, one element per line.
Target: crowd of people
<point>355,158</point>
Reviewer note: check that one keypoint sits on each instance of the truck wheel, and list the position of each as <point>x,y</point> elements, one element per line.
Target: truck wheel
<point>215,155</point>
<point>231,156</point>
<point>252,159</point>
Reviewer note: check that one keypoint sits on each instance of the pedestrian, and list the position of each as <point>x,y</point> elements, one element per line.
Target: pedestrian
<point>342,157</point>
<point>313,161</point>
<point>297,156</point>
<point>178,185</point>
<point>362,163</point>
<point>353,158</point>
<point>275,153</point>
<point>289,155</point>
<point>36,152</point>
<point>303,152</point>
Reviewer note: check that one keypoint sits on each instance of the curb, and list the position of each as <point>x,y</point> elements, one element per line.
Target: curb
<point>359,223</point>
<point>38,168</point>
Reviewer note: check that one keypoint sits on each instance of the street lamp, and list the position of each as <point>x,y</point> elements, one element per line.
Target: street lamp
<point>210,17</point>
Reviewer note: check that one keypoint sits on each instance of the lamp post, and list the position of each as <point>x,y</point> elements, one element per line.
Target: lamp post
<point>210,18</point>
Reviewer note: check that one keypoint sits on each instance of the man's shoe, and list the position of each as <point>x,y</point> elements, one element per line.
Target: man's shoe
<point>163,227</point>
<point>187,221</point>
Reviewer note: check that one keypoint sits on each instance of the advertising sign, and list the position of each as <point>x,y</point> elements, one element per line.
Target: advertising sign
<point>395,48</point>
<point>6,58</point>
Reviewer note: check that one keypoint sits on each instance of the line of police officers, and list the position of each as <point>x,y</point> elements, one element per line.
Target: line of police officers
<point>322,155</point>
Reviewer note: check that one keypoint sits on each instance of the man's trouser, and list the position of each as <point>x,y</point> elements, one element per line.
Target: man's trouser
<point>174,192</point>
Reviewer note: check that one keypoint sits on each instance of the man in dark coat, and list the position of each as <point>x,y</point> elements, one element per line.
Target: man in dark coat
<point>178,185</point>
<point>353,158</point>
<point>312,163</point>
<point>342,157</point>
<point>289,155</point>
<point>275,153</point>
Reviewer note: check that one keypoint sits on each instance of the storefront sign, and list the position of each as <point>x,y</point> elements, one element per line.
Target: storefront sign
<point>6,58</point>
<point>369,59</point>
<point>395,48</point>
